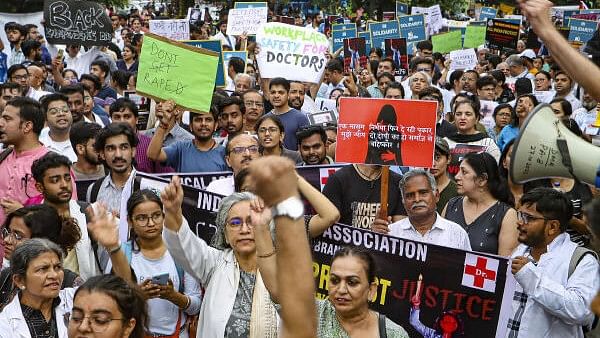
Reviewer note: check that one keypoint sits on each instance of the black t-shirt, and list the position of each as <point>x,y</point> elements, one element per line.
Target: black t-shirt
<point>358,200</point>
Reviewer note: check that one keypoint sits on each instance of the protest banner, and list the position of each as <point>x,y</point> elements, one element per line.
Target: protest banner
<point>395,49</point>
<point>165,73</point>
<point>292,52</point>
<point>143,105</point>
<point>246,20</point>
<point>447,42</point>
<point>381,31</point>
<point>412,28</point>
<point>215,46</point>
<point>77,22</point>
<point>587,16</point>
<point>458,153</point>
<point>367,36</point>
<point>322,118</point>
<point>500,34</point>
<point>174,29</point>
<point>339,32</point>
<point>227,55</point>
<point>355,54</point>
<point>386,131</point>
<point>474,36</point>
<point>581,30</point>
<point>249,4</point>
<point>516,21</point>
<point>401,9</point>
<point>463,59</point>
<point>487,13</point>
<point>476,288</point>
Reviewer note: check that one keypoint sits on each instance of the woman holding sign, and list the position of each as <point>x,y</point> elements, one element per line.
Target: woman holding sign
<point>129,62</point>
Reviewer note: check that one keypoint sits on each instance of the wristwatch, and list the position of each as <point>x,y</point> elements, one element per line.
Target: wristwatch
<point>291,207</point>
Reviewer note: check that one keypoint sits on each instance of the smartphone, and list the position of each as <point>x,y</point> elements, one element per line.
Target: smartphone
<point>60,54</point>
<point>161,279</point>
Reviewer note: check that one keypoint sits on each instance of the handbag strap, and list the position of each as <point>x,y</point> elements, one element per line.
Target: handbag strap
<point>382,330</point>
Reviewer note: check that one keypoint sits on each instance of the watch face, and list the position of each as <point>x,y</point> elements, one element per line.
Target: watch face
<point>292,207</point>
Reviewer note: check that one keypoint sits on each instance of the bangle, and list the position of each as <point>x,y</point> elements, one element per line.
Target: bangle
<point>114,250</point>
<point>187,303</point>
<point>267,255</point>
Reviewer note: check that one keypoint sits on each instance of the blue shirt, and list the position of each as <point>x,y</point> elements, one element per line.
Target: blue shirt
<point>292,121</point>
<point>3,67</point>
<point>184,157</point>
<point>508,133</point>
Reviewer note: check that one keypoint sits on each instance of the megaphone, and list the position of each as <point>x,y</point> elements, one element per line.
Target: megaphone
<point>546,148</point>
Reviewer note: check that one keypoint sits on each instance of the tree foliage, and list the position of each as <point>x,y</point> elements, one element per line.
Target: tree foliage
<point>29,6</point>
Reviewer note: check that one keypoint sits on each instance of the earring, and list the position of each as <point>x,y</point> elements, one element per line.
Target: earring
<point>23,287</point>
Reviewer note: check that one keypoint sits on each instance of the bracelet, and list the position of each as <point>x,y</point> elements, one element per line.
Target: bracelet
<point>187,303</point>
<point>267,255</point>
<point>114,250</point>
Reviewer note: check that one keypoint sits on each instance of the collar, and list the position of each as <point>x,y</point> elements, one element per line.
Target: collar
<point>109,181</point>
<point>557,242</point>
<point>29,312</point>
<point>436,225</point>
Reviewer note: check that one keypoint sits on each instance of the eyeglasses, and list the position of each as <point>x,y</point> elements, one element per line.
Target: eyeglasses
<point>54,111</point>
<point>144,220</point>
<point>253,104</point>
<point>6,232</point>
<point>240,150</point>
<point>97,322</point>
<point>525,218</point>
<point>271,130</point>
<point>427,70</point>
<point>20,77</point>
<point>237,222</point>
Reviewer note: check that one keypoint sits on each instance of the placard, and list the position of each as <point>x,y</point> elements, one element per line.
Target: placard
<point>506,9</point>
<point>463,59</point>
<point>581,30</point>
<point>323,104</point>
<point>249,4</point>
<point>389,16</point>
<point>458,153</point>
<point>367,36</point>
<point>435,20</point>
<point>395,49</point>
<point>501,34</point>
<point>447,42</point>
<point>341,32</point>
<point>355,54</point>
<point>76,22</point>
<point>401,8</point>
<point>474,36</point>
<point>487,113</point>
<point>386,131</point>
<point>487,13</point>
<point>292,52</point>
<point>412,28</point>
<point>174,29</point>
<point>215,46</point>
<point>164,73</point>
<point>322,118</point>
<point>381,31</point>
<point>246,20</point>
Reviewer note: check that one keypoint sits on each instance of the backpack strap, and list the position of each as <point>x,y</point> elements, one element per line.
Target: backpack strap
<point>4,154</point>
<point>92,195</point>
<point>577,256</point>
<point>382,329</point>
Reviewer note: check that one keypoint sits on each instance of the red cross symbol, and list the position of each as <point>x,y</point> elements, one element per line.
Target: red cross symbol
<point>324,178</point>
<point>480,272</point>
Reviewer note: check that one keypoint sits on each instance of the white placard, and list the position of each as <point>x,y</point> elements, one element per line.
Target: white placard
<point>487,113</point>
<point>247,20</point>
<point>325,104</point>
<point>463,59</point>
<point>291,52</point>
<point>174,29</point>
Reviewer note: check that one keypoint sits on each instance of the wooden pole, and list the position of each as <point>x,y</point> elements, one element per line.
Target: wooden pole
<point>385,179</point>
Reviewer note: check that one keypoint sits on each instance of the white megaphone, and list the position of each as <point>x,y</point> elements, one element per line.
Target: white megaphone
<point>546,148</point>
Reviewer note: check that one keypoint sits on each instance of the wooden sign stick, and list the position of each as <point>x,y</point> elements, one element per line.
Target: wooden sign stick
<point>385,179</point>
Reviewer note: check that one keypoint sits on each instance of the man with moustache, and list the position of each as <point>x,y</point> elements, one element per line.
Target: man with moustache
<point>311,144</point>
<point>75,99</point>
<point>297,98</point>
<point>424,224</point>
<point>8,91</point>
<point>550,296</point>
<point>53,180</point>
<point>201,154</point>
<point>19,74</point>
<point>83,137</point>
<point>255,108</point>
<point>231,113</point>
<point>59,120</point>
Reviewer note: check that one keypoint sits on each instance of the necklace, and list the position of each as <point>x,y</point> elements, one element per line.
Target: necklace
<point>365,176</point>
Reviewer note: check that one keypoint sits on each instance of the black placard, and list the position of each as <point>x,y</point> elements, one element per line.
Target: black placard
<point>76,22</point>
<point>501,34</point>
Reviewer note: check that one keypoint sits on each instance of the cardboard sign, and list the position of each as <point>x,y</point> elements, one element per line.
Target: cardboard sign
<point>325,104</point>
<point>322,118</point>
<point>446,42</point>
<point>367,36</point>
<point>463,59</point>
<point>292,52</point>
<point>412,28</point>
<point>474,36</point>
<point>581,30</point>
<point>501,34</point>
<point>215,46</point>
<point>435,20</point>
<point>175,29</point>
<point>395,49</point>
<point>381,31</point>
<point>340,32</point>
<point>355,54</point>
<point>458,153</point>
<point>164,73</point>
<point>77,22</point>
<point>248,4</point>
<point>487,13</point>
<point>386,131</point>
<point>401,8</point>
<point>246,20</point>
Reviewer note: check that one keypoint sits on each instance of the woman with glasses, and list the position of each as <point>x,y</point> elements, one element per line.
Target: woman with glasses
<point>525,105</point>
<point>543,81</point>
<point>107,306</point>
<point>174,298</point>
<point>270,132</point>
<point>484,208</point>
<point>236,302</point>
<point>36,221</point>
<point>503,114</point>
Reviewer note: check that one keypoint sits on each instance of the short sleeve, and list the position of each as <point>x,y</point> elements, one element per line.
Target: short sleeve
<point>173,154</point>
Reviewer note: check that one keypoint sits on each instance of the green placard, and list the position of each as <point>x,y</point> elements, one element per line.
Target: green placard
<point>447,42</point>
<point>173,70</point>
<point>474,36</point>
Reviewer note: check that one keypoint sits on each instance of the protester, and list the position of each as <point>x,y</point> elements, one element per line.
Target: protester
<point>312,145</point>
<point>445,186</point>
<point>525,104</point>
<point>291,118</point>
<point>82,137</point>
<point>503,114</point>
<point>271,133</point>
<point>255,108</point>
<point>59,120</point>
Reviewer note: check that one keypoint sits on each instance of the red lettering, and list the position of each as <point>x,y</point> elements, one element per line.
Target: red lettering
<point>445,293</point>
<point>469,306</point>
<point>458,305</point>
<point>488,306</point>
<point>430,295</point>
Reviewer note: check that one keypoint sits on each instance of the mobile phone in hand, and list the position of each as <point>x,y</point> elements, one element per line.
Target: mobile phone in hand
<point>161,279</point>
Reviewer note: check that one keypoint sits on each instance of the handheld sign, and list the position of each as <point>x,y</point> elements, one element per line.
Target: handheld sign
<point>412,27</point>
<point>175,29</point>
<point>395,49</point>
<point>401,8</point>
<point>77,22</point>
<point>501,34</point>
<point>581,30</point>
<point>165,72</point>
<point>447,42</point>
<point>342,31</point>
<point>227,55</point>
<point>367,36</point>
<point>355,54</point>
<point>381,31</point>
<point>248,4</point>
<point>463,59</point>
<point>296,53</point>
<point>215,46</point>
<point>247,20</point>
<point>487,13</point>
<point>474,36</point>
<point>386,131</point>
